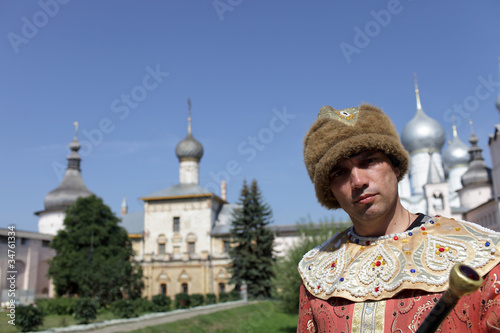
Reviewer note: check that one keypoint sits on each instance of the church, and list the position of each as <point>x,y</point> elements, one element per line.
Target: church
<point>456,183</point>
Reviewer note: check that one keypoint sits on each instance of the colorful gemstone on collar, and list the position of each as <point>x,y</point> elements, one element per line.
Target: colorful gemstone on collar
<point>412,270</point>
<point>367,242</point>
<point>377,289</point>
<point>396,238</point>
<point>410,234</point>
<point>431,222</point>
<point>357,241</point>
<point>341,279</point>
<point>378,263</point>
<point>423,228</point>
<point>457,229</point>
<point>487,244</point>
<point>424,233</point>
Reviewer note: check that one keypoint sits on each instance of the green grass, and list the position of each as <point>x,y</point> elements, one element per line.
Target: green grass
<point>259,317</point>
<point>52,321</point>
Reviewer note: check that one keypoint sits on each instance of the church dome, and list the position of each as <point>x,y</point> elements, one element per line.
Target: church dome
<point>457,152</point>
<point>189,148</point>
<point>477,173</point>
<point>423,133</point>
<point>72,186</point>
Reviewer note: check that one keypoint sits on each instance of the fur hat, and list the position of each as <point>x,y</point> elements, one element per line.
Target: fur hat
<point>338,134</point>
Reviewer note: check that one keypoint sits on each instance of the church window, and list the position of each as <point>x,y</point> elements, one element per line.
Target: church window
<point>191,247</point>
<point>226,246</point>
<point>25,241</point>
<point>45,243</point>
<point>222,287</point>
<point>161,248</point>
<point>184,288</point>
<point>163,289</point>
<point>177,224</point>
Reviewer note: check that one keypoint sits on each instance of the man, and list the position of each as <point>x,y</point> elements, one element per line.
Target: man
<point>386,272</point>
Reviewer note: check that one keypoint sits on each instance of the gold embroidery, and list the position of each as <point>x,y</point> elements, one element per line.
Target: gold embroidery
<point>369,317</point>
<point>497,283</point>
<point>386,265</point>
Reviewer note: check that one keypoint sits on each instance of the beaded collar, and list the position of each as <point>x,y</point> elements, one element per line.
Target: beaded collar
<point>373,268</point>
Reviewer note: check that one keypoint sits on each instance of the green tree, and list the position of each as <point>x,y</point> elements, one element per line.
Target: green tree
<point>252,253</point>
<point>287,278</point>
<point>93,255</point>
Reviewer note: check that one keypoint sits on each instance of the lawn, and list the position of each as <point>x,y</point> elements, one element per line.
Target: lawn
<point>51,321</point>
<point>259,317</point>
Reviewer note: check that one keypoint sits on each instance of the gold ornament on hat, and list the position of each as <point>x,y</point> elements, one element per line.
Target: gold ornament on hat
<point>347,116</point>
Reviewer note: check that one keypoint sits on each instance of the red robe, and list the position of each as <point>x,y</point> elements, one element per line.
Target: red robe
<point>338,295</point>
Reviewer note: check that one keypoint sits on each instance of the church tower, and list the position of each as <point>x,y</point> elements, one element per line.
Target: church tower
<point>189,152</point>
<point>71,188</point>
<point>423,137</point>
<point>477,181</point>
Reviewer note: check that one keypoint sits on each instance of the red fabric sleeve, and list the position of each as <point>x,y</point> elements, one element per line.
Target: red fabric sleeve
<point>490,302</point>
<point>306,320</point>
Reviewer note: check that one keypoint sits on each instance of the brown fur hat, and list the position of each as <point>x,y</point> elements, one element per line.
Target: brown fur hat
<point>338,134</point>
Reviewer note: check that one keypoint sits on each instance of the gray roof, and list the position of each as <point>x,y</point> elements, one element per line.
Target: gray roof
<point>72,186</point>
<point>224,220</point>
<point>133,222</point>
<point>177,191</point>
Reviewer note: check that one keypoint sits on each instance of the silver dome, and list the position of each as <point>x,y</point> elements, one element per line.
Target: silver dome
<point>189,148</point>
<point>72,186</point>
<point>423,133</point>
<point>456,154</point>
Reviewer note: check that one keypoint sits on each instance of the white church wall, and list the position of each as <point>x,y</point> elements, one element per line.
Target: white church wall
<point>51,222</point>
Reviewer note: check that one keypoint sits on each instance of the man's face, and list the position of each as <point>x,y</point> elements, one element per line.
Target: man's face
<point>365,185</point>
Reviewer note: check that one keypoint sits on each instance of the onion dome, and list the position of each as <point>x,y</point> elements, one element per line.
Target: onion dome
<point>457,152</point>
<point>477,173</point>
<point>189,148</point>
<point>72,186</point>
<point>422,133</point>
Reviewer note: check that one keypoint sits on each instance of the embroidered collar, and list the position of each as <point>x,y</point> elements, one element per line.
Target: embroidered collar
<point>373,268</point>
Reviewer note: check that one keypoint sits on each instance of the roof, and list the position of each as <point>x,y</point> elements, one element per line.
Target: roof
<point>179,190</point>
<point>133,222</point>
<point>224,220</point>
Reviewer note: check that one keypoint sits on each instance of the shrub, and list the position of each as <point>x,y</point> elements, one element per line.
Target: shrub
<point>56,306</point>
<point>85,310</point>
<point>142,305</point>
<point>161,303</point>
<point>28,317</point>
<point>197,299</point>
<point>123,308</point>
<point>210,299</point>
<point>223,297</point>
<point>182,301</point>
<point>234,295</point>
<point>287,279</point>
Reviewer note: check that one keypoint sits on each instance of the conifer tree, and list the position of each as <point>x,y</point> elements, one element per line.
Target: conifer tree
<point>252,252</point>
<point>93,255</point>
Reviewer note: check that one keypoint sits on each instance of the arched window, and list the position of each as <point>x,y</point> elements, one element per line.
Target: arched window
<point>163,289</point>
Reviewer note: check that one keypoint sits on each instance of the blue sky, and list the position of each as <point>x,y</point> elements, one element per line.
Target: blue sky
<point>257,73</point>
